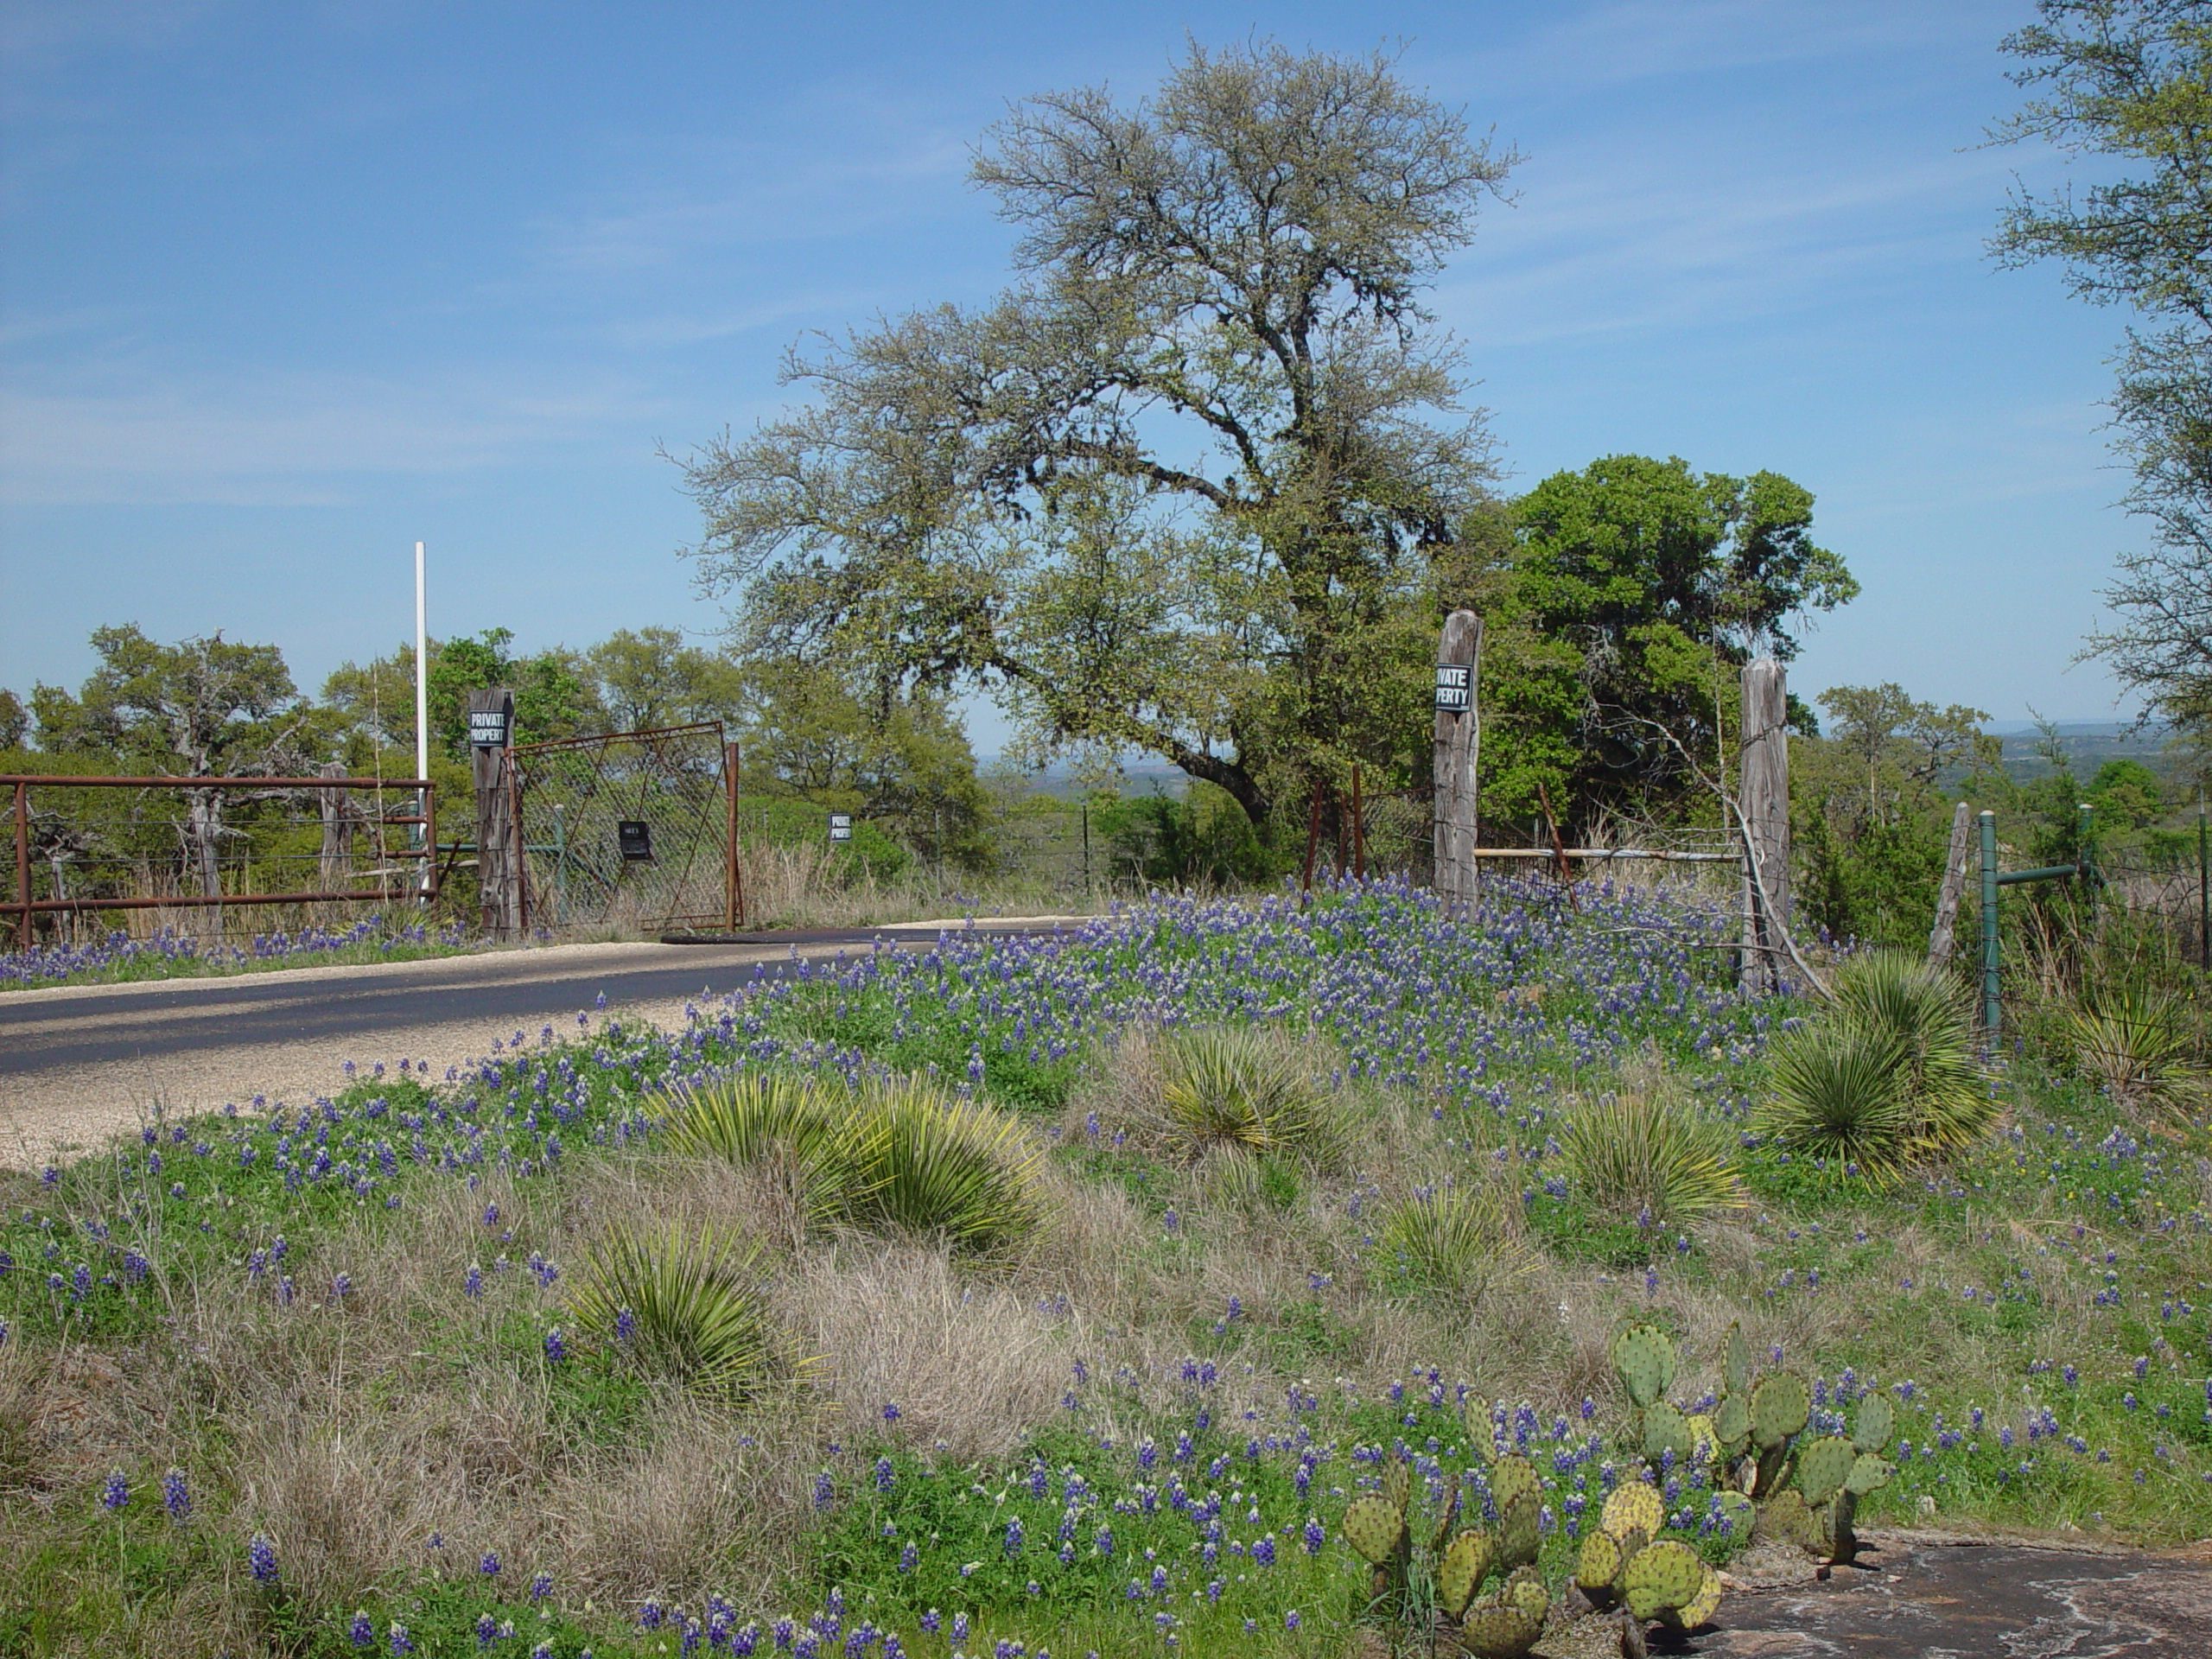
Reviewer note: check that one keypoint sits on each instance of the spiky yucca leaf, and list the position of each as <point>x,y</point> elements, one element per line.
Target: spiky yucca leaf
<point>686,1302</point>
<point>914,1160</point>
<point>1632,1152</point>
<point>1928,1012</point>
<point>1458,1240</point>
<point>756,1117</point>
<point>2136,1043</point>
<point>1246,1090</point>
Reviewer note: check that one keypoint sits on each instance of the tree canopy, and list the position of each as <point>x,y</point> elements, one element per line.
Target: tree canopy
<point>1174,490</point>
<point>2131,81</point>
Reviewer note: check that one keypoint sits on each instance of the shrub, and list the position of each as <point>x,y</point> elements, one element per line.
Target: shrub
<point>785,1122</point>
<point>914,1161</point>
<point>1456,1239</point>
<point>1633,1153</point>
<point>1243,1090</point>
<point>686,1303</point>
<point>2136,1042</point>
<point>1886,1075</point>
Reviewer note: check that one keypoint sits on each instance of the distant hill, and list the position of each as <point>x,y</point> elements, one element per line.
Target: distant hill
<point>2087,745</point>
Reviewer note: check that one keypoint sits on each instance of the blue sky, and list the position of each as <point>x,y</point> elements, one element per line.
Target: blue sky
<point>283,288</point>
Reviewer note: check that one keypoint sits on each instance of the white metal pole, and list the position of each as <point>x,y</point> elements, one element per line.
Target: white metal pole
<point>423,720</point>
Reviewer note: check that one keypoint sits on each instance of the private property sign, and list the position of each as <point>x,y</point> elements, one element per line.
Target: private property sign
<point>487,727</point>
<point>1455,688</point>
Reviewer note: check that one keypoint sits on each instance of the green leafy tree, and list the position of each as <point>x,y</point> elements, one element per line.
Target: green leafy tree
<point>1176,491</point>
<point>1618,616</point>
<point>15,720</point>
<point>649,678</point>
<point>2128,83</point>
<point>555,690</point>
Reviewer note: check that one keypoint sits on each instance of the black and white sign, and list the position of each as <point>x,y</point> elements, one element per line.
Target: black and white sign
<point>841,826</point>
<point>1455,688</point>
<point>636,837</point>
<point>487,727</point>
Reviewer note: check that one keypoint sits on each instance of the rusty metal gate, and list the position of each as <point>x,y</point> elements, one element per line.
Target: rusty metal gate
<point>630,830</point>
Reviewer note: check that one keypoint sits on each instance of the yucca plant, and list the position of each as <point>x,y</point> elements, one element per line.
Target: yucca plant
<point>688,1303</point>
<point>913,1160</point>
<point>1652,1153</point>
<point>1456,1239</point>
<point>753,1117</point>
<point>1886,1076</point>
<point>1240,1091</point>
<point>2135,1041</point>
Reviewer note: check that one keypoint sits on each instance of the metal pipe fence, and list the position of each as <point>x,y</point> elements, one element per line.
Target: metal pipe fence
<point>89,844</point>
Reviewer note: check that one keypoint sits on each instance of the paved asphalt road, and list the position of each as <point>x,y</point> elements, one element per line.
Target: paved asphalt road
<point>48,1031</point>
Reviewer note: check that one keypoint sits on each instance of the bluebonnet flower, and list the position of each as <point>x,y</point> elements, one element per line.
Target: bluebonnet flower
<point>487,1630</point>
<point>541,1587</point>
<point>556,1348</point>
<point>891,1411</point>
<point>824,1491</point>
<point>625,1327</point>
<point>401,1641</point>
<point>361,1631</point>
<point>116,1492</point>
<point>261,1557</point>
<point>489,1564</point>
<point>884,1479</point>
<point>176,1497</point>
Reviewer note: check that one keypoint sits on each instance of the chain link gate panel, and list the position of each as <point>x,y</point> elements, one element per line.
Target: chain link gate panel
<point>626,830</point>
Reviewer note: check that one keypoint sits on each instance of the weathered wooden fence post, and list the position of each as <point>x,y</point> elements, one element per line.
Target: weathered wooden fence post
<point>1940,940</point>
<point>498,848</point>
<point>1458,745</point>
<point>1764,804</point>
<point>733,877</point>
<point>335,869</point>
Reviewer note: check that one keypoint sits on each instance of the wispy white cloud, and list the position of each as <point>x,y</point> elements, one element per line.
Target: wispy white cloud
<point>289,440</point>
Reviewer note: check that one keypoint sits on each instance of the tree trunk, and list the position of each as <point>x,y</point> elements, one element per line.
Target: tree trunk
<point>336,866</point>
<point>1940,943</point>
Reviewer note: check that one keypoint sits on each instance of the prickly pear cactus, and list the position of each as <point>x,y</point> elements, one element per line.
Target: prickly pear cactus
<point>1736,1363</point>
<point>1741,1513</point>
<point>1644,1357</point>
<point>1698,1608</point>
<point>1518,1531</point>
<point>1869,1473</point>
<point>1785,1519</point>
<point>1781,1407</point>
<point>1465,1563</point>
<point>1397,1484</point>
<point>1375,1528</point>
<point>1668,1575</point>
<point>1732,1425</point>
<point>1665,1429</point>
<point>1598,1565</point>
<point>1822,1467</point>
<point>1632,1505</point>
<point>1525,1590</point>
<point>1447,1514</point>
<point>1514,1476</point>
<point>1878,1420</point>
<point>1499,1630</point>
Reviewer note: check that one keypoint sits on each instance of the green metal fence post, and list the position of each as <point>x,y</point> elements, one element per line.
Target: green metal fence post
<point>2203,890</point>
<point>1989,1009</point>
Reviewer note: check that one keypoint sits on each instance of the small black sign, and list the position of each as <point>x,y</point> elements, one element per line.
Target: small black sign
<point>1455,688</point>
<point>841,826</point>
<point>637,839</point>
<point>487,727</point>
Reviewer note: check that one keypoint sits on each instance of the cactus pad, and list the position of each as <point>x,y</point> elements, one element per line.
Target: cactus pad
<point>1518,1535</point>
<point>1397,1484</point>
<point>1736,1363</point>
<point>1868,1473</point>
<point>1465,1563</point>
<point>1633,1504</point>
<point>1600,1564</point>
<point>1781,1407</point>
<point>1822,1467</point>
<point>1699,1608</point>
<point>1667,1575</point>
<point>1665,1429</point>
<point>1732,1425</point>
<point>1878,1418</point>
<point>1374,1529</point>
<point>1785,1519</point>
<point>1513,1477</point>
<point>1498,1632</point>
<point>1525,1590</point>
<point>1644,1358</point>
<point>1446,1514</point>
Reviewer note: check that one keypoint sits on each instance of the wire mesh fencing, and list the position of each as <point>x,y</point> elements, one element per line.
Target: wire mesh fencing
<point>628,831</point>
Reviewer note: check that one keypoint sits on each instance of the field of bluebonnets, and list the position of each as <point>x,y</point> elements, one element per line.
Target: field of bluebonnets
<point>117,955</point>
<point>546,1357</point>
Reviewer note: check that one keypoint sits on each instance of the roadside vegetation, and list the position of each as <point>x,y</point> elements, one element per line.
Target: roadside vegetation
<point>1065,1291</point>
